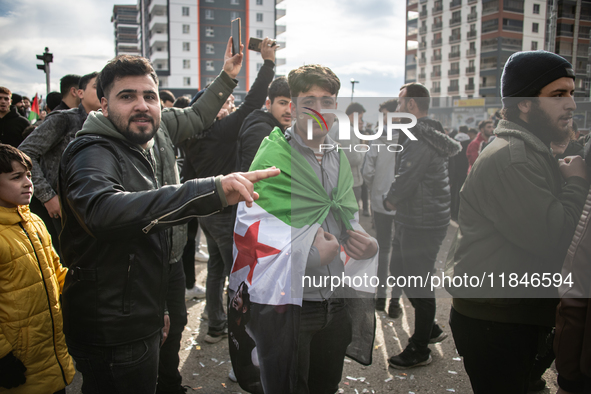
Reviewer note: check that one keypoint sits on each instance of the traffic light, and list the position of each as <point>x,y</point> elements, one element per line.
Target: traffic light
<point>46,58</point>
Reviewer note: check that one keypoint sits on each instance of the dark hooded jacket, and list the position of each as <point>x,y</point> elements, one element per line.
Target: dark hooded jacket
<point>420,190</point>
<point>255,128</point>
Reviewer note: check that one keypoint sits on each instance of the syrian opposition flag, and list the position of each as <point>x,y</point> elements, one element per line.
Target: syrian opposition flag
<point>34,115</point>
<point>272,240</point>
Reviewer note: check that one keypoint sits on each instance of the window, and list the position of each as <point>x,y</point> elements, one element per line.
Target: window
<point>534,45</point>
<point>186,29</point>
<point>159,66</point>
<point>513,6</point>
<point>259,34</point>
<point>186,46</point>
<point>259,65</point>
<point>259,17</point>
<point>186,63</point>
<point>209,14</point>
<point>536,8</point>
<point>455,66</point>
<point>209,1</point>
<point>185,11</point>
<point>234,15</point>
<point>234,2</point>
<point>490,25</point>
<point>455,49</point>
<point>187,81</point>
<point>259,2</point>
<point>512,25</point>
<point>209,32</point>
<point>209,49</point>
<point>534,27</point>
<point>209,65</point>
<point>210,80</point>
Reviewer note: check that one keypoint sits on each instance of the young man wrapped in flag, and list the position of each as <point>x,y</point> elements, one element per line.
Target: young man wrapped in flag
<point>299,301</point>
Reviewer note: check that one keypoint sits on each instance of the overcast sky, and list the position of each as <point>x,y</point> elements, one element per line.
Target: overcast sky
<point>360,39</point>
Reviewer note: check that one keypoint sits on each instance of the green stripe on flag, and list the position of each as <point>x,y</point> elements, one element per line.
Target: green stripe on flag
<point>296,196</point>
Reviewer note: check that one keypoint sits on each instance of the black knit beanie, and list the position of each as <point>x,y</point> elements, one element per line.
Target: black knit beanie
<point>16,98</point>
<point>526,73</point>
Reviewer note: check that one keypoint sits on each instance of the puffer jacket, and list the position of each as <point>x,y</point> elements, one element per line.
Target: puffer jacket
<point>117,218</point>
<point>517,216</point>
<point>31,279</point>
<point>420,191</point>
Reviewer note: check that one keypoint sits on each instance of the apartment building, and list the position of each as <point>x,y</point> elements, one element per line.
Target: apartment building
<point>458,48</point>
<point>186,39</point>
<point>127,30</point>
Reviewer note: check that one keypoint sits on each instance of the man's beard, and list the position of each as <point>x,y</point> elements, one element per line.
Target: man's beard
<point>140,138</point>
<point>544,127</point>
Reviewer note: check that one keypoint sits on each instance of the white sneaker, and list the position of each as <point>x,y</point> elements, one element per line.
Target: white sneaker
<point>201,256</point>
<point>196,292</point>
<point>232,376</point>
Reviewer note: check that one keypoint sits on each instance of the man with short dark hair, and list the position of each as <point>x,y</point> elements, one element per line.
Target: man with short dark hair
<point>486,128</point>
<point>215,154</point>
<point>120,193</point>
<point>52,100</point>
<point>167,99</point>
<point>421,197</point>
<point>519,210</point>
<point>69,90</point>
<point>12,124</point>
<point>259,123</point>
<point>47,142</point>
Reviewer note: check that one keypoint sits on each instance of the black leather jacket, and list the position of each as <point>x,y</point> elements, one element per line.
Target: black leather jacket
<point>420,190</point>
<point>117,223</point>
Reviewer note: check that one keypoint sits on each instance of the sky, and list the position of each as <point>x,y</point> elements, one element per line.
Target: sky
<point>360,39</point>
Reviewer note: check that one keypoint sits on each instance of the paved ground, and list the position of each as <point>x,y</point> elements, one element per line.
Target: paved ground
<point>205,367</point>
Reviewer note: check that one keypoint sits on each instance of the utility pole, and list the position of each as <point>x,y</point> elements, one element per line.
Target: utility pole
<point>353,82</point>
<point>47,58</point>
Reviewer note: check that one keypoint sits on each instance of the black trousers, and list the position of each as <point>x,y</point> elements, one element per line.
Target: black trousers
<point>169,378</point>
<point>498,357</point>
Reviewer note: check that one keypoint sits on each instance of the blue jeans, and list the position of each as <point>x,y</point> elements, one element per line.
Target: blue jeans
<point>325,332</point>
<point>219,233</point>
<point>122,369</point>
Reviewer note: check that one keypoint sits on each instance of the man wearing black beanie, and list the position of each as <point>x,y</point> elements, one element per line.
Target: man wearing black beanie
<point>519,210</point>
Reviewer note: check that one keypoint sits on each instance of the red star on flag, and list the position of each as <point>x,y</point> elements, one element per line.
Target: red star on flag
<point>250,250</point>
<point>344,256</point>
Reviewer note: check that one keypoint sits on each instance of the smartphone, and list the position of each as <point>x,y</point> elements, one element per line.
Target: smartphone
<point>236,36</point>
<point>254,44</point>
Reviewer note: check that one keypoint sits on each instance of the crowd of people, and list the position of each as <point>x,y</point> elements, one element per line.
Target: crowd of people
<point>103,199</point>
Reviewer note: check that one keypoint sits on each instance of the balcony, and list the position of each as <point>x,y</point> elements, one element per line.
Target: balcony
<point>472,16</point>
<point>423,30</point>
<point>422,76</point>
<point>422,61</point>
<point>280,29</point>
<point>159,55</point>
<point>488,66</point>
<point>453,72</point>
<point>435,58</point>
<point>436,42</point>
<point>490,7</point>
<point>159,38</point>
<point>469,87</point>
<point>423,14</point>
<point>471,34</point>
<point>435,75</point>
<point>454,55</point>
<point>472,1</point>
<point>455,4</point>
<point>453,88</point>
<point>470,70</point>
<point>423,45</point>
<point>438,9</point>
<point>436,90</point>
<point>455,21</point>
<point>471,52</point>
<point>454,39</point>
<point>436,26</point>
<point>161,20</point>
<point>279,13</point>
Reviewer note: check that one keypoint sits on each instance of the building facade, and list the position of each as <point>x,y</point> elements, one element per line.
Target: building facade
<point>127,29</point>
<point>186,39</point>
<point>458,48</point>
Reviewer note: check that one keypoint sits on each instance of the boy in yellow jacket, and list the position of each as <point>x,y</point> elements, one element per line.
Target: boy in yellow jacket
<point>33,353</point>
